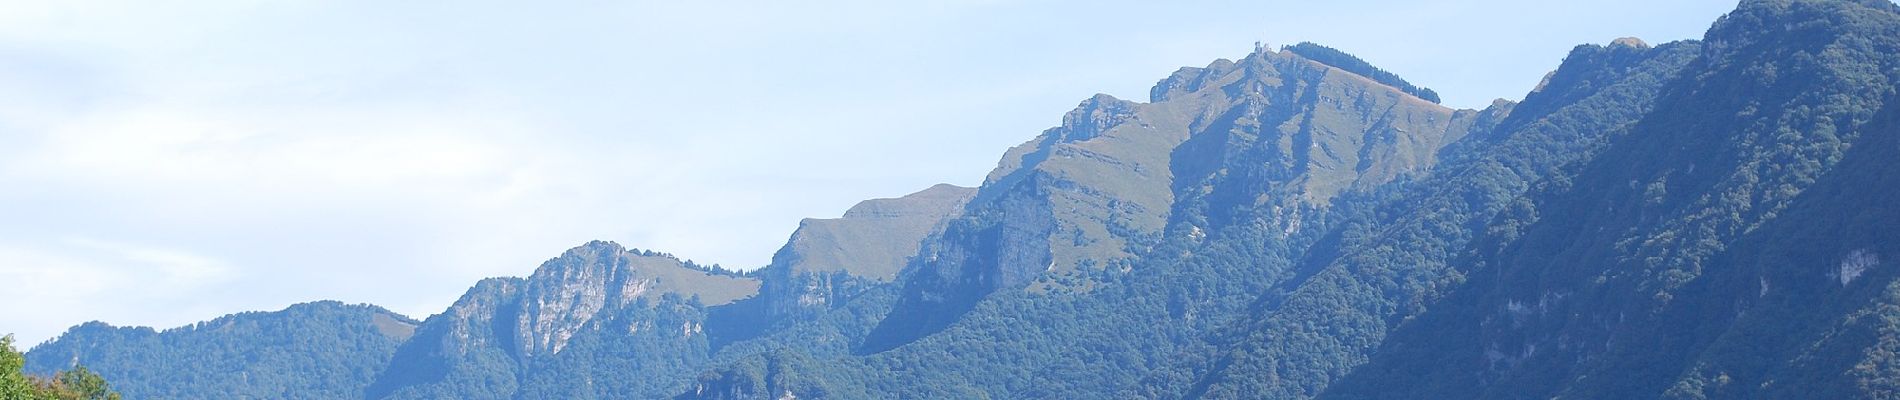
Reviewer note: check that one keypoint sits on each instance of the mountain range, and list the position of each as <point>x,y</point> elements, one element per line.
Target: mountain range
<point>1694,219</point>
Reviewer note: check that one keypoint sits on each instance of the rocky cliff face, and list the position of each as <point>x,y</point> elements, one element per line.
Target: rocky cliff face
<point>569,291</point>
<point>498,336</point>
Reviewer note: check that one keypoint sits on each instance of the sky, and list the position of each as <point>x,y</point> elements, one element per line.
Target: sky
<point>169,162</point>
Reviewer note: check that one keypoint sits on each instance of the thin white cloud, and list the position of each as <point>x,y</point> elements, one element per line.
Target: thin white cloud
<point>89,276</point>
<point>165,146</point>
<point>41,275</point>
<point>176,270</point>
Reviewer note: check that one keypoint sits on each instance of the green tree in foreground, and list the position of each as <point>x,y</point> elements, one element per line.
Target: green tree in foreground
<point>74,384</point>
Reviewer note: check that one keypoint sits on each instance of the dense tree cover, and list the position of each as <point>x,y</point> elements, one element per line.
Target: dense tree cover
<point>446,357</point>
<point>321,350</point>
<point>1350,63</point>
<point>714,269</point>
<point>1701,256</point>
<point>77,383</point>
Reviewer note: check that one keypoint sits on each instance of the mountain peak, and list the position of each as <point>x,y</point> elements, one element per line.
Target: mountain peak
<point>937,199</point>
<point>535,318</point>
<point>1778,21</point>
<point>827,261</point>
<point>596,246</point>
<point>1189,80</point>
<point>1094,116</point>
<point>639,274</point>
<point>1630,41</point>
<point>1345,61</point>
<point>875,237</point>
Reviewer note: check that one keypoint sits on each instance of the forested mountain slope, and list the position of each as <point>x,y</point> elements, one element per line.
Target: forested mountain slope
<point>321,350</point>
<point>1395,260</point>
<point>1728,247</point>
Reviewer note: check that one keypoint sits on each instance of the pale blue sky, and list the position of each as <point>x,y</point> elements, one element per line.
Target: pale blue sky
<point>164,164</point>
